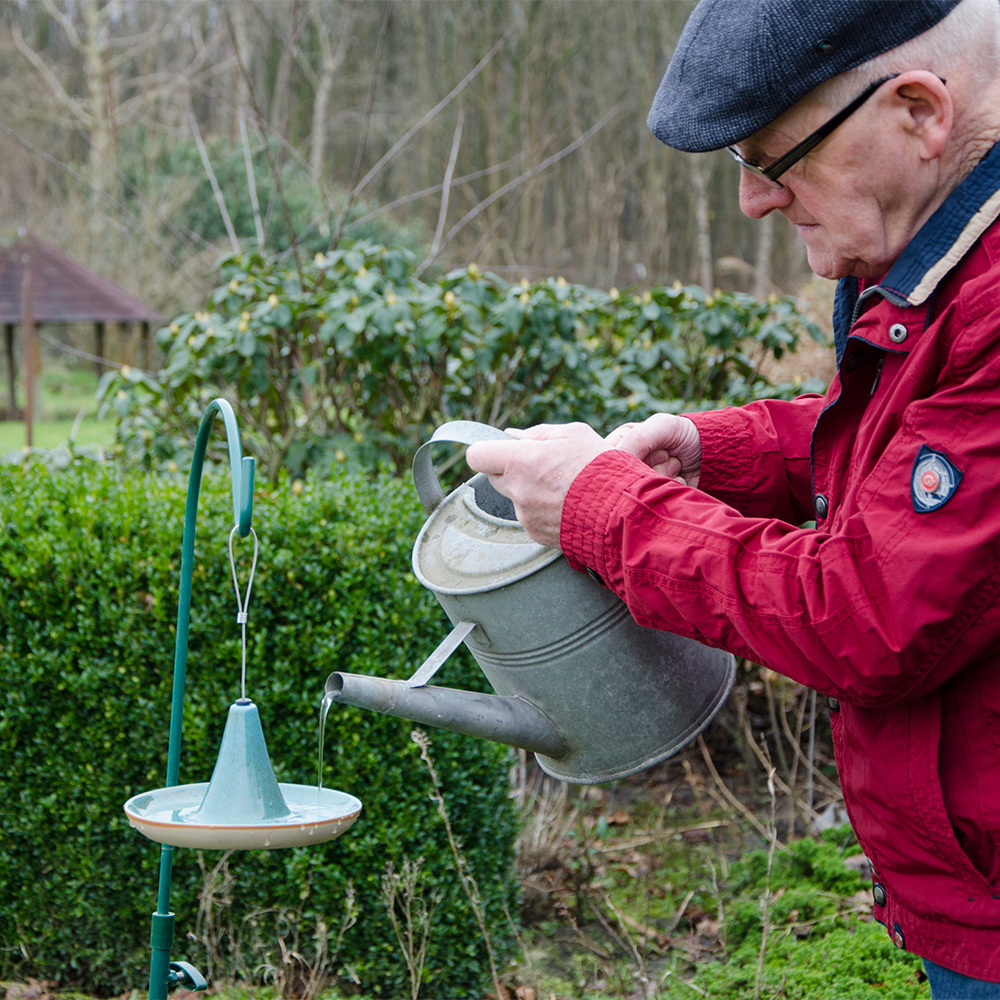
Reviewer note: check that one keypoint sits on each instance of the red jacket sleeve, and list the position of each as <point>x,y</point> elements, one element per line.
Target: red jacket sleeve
<point>883,609</point>
<point>756,457</point>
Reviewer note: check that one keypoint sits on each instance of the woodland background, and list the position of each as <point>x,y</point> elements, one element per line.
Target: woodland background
<point>147,137</point>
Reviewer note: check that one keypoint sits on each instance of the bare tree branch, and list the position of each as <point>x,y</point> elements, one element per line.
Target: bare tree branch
<point>446,188</point>
<point>443,103</point>
<point>220,201</point>
<point>73,106</point>
<point>80,179</point>
<point>526,176</point>
<point>251,180</point>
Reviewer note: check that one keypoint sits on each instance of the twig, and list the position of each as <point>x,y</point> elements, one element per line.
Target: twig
<point>220,201</point>
<point>680,910</point>
<point>528,174</point>
<point>683,982</point>
<point>413,932</point>
<point>251,179</point>
<point>660,939</point>
<point>809,758</point>
<point>390,154</point>
<point>461,864</point>
<point>200,287</point>
<point>278,191</point>
<point>446,188</point>
<point>663,834</point>
<point>812,751</point>
<point>388,207</point>
<point>772,712</point>
<point>765,900</point>
<point>728,795</point>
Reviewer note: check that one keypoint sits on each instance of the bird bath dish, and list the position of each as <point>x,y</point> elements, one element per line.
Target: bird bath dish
<point>169,816</point>
<point>243,807</point>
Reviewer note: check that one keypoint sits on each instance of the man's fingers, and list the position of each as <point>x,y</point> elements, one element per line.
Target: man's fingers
<point>638,441</point>
<point>618,433</point>
<point>490,457</point>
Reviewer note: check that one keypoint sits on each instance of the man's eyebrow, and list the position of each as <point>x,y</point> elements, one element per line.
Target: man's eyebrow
<point>751,150</point>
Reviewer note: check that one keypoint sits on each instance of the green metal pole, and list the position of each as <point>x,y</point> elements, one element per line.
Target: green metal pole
<point>162,932</point>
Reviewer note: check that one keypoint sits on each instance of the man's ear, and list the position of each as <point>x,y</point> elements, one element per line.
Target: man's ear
<point>927,108</point>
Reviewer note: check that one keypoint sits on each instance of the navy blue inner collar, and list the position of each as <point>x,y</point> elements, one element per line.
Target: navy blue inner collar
<point>936,239</point>
<point>942,230</point>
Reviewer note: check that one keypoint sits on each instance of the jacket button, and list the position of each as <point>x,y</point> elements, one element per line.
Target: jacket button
<point>854,361</point>
<point>897,936</point>
<point>878,894</point>
<point>821,505</point>
<point>833,704</point>
<point>898,333</point>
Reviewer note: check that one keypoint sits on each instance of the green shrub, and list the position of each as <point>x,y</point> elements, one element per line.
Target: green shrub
<point>354,358</point>
<point>89,565</point>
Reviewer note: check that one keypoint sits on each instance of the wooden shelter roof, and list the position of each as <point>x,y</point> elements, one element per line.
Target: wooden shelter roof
<point>62,290</point>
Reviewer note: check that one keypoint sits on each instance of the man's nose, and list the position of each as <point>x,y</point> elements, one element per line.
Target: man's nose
<point>758,195</point>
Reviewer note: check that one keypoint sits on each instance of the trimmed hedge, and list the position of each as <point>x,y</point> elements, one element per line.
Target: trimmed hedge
<point>89,566</point>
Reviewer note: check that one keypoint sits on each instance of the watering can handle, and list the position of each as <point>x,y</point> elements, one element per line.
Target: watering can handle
<point>458,432</point>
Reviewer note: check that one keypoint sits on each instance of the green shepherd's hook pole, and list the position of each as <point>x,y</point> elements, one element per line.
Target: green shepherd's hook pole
<point>163,973</point>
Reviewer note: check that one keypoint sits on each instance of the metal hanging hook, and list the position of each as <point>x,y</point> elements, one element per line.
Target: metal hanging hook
<point>241,604</point>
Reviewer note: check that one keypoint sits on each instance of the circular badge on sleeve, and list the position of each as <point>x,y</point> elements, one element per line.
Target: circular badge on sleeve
<point>933,481</point>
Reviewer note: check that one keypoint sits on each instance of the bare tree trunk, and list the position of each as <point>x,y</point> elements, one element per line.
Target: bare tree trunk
<point>763,284</point>
<point>102,156</point>
<point>331,58</point>
<point>241,70</point>
<point>703,236</point>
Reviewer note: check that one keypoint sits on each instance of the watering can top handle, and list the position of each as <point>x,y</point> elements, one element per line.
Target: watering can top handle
<point>457,432</point>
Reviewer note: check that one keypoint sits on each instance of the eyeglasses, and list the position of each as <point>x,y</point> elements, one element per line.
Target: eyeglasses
<point>811,141</point>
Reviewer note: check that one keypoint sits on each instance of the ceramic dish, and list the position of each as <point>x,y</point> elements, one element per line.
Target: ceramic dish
<point>169,816</point>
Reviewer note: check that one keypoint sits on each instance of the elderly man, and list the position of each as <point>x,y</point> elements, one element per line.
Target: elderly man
<point>871,126</point>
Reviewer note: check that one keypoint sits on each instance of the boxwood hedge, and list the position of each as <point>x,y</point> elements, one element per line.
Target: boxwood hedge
<point>89,566</point>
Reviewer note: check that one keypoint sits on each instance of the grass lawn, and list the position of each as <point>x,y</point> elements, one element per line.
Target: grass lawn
<point>52,433</point>
<point>65,395</point>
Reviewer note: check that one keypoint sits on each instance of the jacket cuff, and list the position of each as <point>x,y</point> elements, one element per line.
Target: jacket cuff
<point>725,454</point>
<point>589,504</point>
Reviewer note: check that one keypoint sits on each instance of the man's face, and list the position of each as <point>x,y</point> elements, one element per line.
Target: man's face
<point>856,199</point>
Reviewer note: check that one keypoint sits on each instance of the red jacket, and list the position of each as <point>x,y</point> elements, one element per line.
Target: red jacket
<point>889,605</point>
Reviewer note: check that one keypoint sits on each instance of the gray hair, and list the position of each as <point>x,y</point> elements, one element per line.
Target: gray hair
<point>967,40</point>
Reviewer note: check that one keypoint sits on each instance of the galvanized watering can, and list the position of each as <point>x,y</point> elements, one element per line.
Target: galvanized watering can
<point>594,695</point>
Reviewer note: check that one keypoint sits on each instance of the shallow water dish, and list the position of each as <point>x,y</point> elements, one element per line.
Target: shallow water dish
<point>315,815</point>
<point>244,806</point>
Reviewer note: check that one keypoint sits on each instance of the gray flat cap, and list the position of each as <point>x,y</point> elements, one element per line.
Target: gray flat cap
<point>740,64</point>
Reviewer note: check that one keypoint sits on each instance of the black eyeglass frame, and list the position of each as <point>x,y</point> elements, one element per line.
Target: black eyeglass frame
<point>811,141</point>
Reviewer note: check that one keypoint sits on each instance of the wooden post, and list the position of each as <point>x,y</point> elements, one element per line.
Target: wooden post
<point>125,343</point>
<point>11,372</point>
<point>99,349</point>
<point>31,364</point>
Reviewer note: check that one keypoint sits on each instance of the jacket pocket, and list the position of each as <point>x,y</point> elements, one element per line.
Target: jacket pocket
<point>947,771</point>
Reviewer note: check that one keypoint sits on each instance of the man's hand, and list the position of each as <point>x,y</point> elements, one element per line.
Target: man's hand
<point>536,471</point>
<point>668,444</point>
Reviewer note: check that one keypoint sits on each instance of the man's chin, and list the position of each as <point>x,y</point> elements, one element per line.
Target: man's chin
<point>828,266</point>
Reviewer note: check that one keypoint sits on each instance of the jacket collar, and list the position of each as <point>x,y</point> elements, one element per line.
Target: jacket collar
<point>941,243</point>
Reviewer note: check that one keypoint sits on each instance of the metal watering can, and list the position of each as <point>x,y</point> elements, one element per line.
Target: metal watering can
<point>594,695</point>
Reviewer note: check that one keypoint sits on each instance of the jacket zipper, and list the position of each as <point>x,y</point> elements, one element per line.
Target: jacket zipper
<point>878,375</point>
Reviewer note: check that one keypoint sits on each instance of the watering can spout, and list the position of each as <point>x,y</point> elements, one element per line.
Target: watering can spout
<point>509,720</point>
